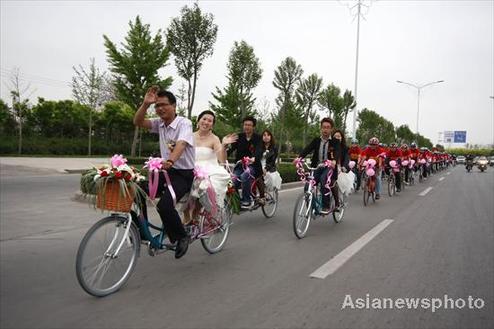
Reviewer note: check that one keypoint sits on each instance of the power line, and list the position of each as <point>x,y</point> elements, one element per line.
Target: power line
<point>35,78</point>
<point>37,81</point>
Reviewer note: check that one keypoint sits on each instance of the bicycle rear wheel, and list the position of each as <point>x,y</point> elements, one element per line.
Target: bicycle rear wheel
<point>219,227</point>
<point>302,214</point>
<point>391,185</point>
<point>366,193</point>
<point>269,208</point>
<point>107,255</point>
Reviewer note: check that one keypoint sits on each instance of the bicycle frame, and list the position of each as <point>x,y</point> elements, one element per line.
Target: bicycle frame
<point>314,190</point>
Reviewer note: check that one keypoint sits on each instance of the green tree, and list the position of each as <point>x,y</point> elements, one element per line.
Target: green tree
<point>349,105</point>
<point>286,79</point>
<point>115,122</point>
<point>423,141</point>
<point>20,93</point>
<point>330,100</point>
<point>64,119</point>
<point>404,135</point>
<point>306,96</point>
<point>236,101</point>
<point>372,124</point>
<point>135,67</point>
<point>88,88</point>
<point>7,120</point>
<point>191,38</point>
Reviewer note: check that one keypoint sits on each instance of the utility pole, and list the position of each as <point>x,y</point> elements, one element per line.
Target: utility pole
<point>358,7</point>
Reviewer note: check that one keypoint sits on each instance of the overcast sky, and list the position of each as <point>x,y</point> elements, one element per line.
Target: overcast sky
<point>413,41</point>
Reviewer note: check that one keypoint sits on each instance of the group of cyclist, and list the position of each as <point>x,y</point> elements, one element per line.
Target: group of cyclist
<point>256,157</point>
<point>410,158</point>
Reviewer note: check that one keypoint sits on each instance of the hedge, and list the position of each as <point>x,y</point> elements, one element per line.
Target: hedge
<point>74,146</point>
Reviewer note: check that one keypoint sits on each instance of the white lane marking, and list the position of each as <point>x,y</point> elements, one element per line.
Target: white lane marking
<point>440,179</point>
<point>424,192</point>
<point>336,262</point>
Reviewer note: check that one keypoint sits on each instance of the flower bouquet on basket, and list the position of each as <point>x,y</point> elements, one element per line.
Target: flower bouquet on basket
<point>113,186</point>
<point>233,198</point>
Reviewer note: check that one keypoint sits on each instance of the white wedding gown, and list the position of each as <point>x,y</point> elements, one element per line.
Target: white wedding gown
<point>208,162</point>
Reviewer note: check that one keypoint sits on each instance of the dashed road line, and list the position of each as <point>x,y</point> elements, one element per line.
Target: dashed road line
<point>336,262</point>
<point>424,192</point>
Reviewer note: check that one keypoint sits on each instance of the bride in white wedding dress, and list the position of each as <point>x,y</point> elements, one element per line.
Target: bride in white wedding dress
<point>209,155</point>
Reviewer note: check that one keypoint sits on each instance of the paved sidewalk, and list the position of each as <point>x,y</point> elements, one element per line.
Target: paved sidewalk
<point>10,165</point>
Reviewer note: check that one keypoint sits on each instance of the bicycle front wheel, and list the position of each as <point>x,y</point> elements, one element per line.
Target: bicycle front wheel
<point>338,216</point>
<point>302,215</point>
<point>107,255</point>
<point>269,208</point>
<point>218,228</point>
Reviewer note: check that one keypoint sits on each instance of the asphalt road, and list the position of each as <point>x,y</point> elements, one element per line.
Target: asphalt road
<point>438,244</point>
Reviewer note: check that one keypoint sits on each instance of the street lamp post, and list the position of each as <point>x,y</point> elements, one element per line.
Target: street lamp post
<point>419,88</point>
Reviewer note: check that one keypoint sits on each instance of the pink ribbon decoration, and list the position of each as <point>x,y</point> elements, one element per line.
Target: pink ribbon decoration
<point>153,183</point>
<point>212,197</point>
<point>118,160</point>
<point>246,163</point>
<point>370,172</point>
<point>299,164</point>
<point>328,164</point>
<point>404,163</point>
<point>154,165</point>
<point>201,174</point>
<point>392,163</point>
<point>170,188</point>
<point>371,162</point>
<point>351,164</point>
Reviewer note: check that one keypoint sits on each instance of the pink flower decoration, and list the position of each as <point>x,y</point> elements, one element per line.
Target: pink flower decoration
<point>405,163</point>
<point>351,164</point>
<point>370,172</point>
<point>392,163</point>
<point>154,164</point>
<point>118,160</point>
<point>328,163</point>
<point>372,162</point>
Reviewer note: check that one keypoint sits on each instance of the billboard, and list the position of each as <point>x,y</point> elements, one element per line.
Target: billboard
<point>460,137</point>
<point>455,136</point>
<point>449,136</point>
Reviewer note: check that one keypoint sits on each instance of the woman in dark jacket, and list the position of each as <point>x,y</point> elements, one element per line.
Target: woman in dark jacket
<point>269,152</point>
<point>344,158</point>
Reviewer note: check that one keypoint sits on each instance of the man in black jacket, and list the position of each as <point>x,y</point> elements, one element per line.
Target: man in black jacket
<point>325,148</point>
<point>248,145</point>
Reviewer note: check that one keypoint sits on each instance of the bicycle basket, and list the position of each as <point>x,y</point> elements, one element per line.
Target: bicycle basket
<point>111,197</point>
